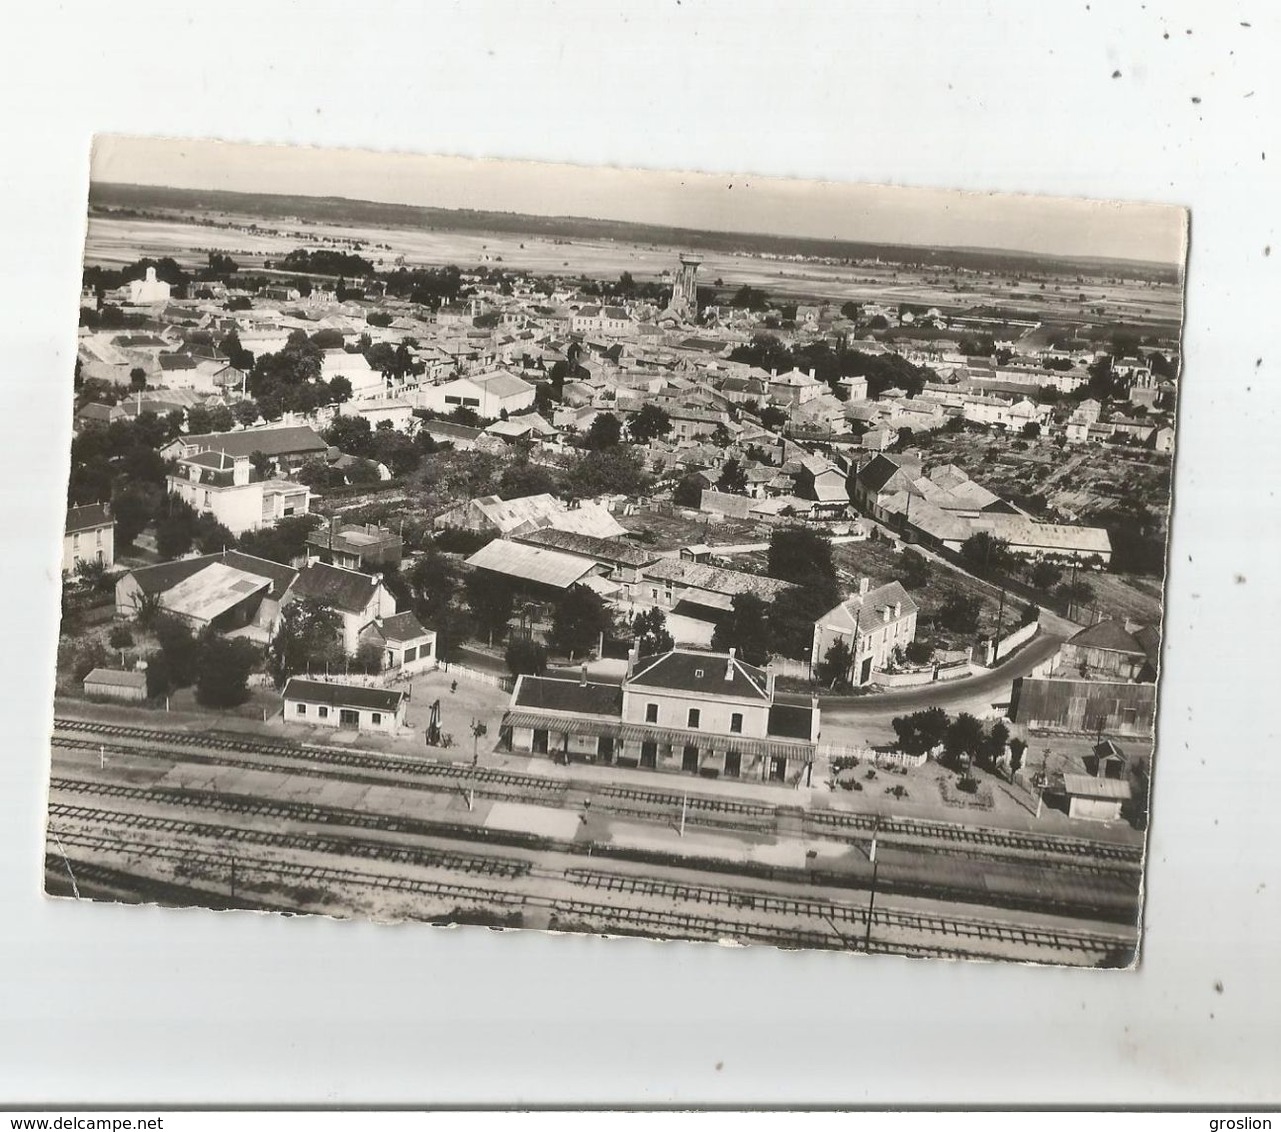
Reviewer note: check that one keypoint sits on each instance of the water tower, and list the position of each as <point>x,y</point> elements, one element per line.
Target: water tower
<point>685,289</point>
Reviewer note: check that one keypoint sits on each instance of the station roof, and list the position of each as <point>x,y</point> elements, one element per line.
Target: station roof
<point>548,693</point>
<point>713,674</point>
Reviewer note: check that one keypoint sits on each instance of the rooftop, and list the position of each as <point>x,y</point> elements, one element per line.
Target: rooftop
<point>713,674</point>
<point>342,695</point>
<point>335,587</point>
<point>88,517</point>
<point>531,563</point>
<point>545,693</point>
<point>212,591</point>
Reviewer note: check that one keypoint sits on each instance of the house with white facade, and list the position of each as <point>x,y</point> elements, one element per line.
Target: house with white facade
<point>873,624</point>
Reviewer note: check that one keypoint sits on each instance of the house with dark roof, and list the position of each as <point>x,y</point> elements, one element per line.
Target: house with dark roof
<point>406,645</point>
<point>874,624</point>
<point>287,446</point>
<point>358,599</point>
<point>320,703</point>
<point>700,713</point>
<point>88,536</point>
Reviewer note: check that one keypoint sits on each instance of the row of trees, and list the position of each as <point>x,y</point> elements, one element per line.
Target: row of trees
<point>964,740</point>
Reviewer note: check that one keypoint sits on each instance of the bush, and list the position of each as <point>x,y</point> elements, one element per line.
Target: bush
<point>120,637</point>
<point>968,784</point>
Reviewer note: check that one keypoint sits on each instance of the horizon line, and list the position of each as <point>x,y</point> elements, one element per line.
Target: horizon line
<point>1177,265</point>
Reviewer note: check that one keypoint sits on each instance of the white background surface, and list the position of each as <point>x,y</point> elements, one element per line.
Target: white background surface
<point>100,1004</point>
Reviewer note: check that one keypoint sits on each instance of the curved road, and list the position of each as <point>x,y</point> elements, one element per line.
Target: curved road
<point>942,693</point>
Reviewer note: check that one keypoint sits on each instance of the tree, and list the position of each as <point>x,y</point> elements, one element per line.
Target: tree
<point>914,569</point>
<point>733,478</point>
<point>921,731</point>
<point>1017,748</point>
<point>605,432</point>
<point>964,738</point>
<point>237,356</point>
<point>985,554</point>
<point>689,491</point>
<point>746,630</point>
<point>1045,575</point>
<point>650,629</point>
<point>138,378</point>
<point>834,669</point>
<point>651,422</point>
<point>919,652</point>
<point>525,656</point>
<point>994,744</point>
<point>491,599</point>
<point>283,542</point>
<point>610,471</point>
<point>773,418</point>
<point>1075,593</point>
<point>579,620</point>
<point>246,412</point>
<point>199,420</point>
<point>804,557</point>
<point>309,636</point>
<point>369,657</point>
<point>351,435</point>
<point>523,478</point>
<point>960,614</point>
<point>133,507</point>
<point>1031,430</point>
<point>178,651</point>
<point>261,463</point>
<point>222,671</point>
<point>433,581</point>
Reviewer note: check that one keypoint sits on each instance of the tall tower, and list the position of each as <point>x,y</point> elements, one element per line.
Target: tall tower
<point>685,289</point>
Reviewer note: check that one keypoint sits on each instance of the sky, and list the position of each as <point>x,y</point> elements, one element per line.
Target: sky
<point>776,206</point>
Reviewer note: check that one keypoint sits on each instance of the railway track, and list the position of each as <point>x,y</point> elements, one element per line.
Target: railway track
<point>471,864</point>
<point>364,767</point>
<point>881,918</point>
<point>970,934</point>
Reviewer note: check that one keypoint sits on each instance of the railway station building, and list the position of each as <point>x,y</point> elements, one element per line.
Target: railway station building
<point>682,711</point>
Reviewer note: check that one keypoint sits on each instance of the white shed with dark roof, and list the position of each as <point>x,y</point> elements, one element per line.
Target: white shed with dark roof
<point>356,707</point>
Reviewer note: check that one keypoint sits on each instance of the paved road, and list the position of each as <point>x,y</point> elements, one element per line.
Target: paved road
<point>942,693</point>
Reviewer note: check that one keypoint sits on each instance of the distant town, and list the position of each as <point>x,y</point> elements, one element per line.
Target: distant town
<point>811,600</point>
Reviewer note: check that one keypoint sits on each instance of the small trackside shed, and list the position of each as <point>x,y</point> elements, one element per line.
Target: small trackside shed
<point>353,706</point>
<point>115,684</point>
<point>1095,799</point>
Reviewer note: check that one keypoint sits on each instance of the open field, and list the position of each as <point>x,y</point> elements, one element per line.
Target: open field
<point>114,241</point>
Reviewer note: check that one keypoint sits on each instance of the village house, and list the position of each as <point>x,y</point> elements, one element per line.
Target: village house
<point>89,535</point>
<point>231,490</point>
<point>874,624</point>
<point>406,645</point>
<point>288,447</point>
<point>358,599</point>
<point>355,546</point>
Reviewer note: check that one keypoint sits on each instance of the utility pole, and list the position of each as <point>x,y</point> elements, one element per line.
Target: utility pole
<point>684,809</point>
<point>871,899</point>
